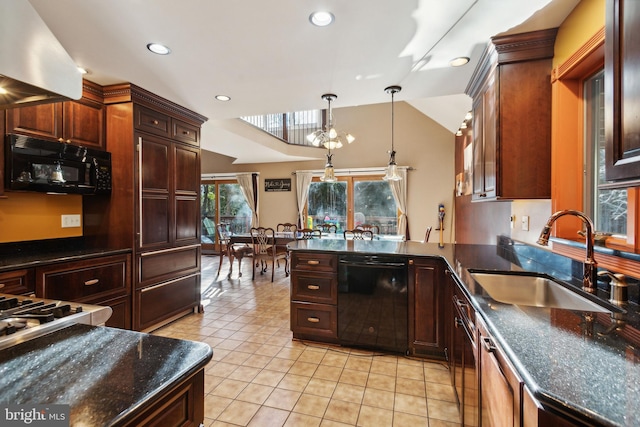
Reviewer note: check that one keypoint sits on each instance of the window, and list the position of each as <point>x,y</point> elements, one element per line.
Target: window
<point>607,207</point>
<point>222,201</point>
<point>352,201</point>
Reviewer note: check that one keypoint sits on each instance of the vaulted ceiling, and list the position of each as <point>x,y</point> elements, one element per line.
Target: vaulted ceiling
<point>269,58</point>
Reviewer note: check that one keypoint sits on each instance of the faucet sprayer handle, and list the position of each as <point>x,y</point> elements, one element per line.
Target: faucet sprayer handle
<point>617,279</point>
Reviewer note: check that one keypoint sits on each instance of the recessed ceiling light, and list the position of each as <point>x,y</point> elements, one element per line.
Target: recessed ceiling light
<point>459,61</point>
<point>158,48</point>
<point>83,70</point>
<point>3,91</point>
<point>223,98</point>
<point>321,19</point>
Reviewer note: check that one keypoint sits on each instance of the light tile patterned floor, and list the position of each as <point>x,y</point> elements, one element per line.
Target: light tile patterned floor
<point>260,376</point>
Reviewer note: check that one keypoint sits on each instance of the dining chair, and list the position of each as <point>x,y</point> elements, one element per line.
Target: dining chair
<point>236,250</point>
<point>372,227</point>
<point>286,226</point>
<point>358,234</point>
<point>327,228</point>
<point>427,234</point>
<point>308,233</point>
<point>265,251</point>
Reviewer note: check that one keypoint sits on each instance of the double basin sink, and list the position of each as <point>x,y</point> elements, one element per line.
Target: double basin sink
<point>538,290</point>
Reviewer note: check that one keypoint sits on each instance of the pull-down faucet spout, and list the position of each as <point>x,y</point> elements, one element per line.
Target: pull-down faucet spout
<point>590,266</point>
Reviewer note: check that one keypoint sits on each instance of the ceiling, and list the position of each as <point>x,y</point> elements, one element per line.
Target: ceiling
<point>268,57</point>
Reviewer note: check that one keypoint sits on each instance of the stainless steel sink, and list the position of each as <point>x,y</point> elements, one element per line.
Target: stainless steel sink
<point>539,290</point>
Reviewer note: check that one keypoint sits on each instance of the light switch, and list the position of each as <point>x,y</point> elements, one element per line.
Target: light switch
<point>70,221</point>
<point>525,222</point>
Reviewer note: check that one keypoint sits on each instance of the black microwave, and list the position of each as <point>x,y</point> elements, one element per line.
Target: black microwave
<point>33,164</point>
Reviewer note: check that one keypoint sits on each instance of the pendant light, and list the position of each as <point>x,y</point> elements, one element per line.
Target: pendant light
<point>392,168</point>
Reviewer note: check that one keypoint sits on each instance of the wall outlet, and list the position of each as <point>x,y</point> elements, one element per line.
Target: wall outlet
<point>525,222</point>
<point>70,221</point>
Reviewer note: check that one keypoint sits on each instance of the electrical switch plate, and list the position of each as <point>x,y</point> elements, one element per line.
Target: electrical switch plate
<point>70,221</point>
<point>525,222</point>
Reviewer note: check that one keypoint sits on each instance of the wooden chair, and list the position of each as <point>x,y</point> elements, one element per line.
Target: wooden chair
<point>239,250</point>
<point>358,234</point>
<point>265,251</point>
<point>286,226</point>
<point>427,234</point>
<point>372,227</point>
<point>308,233</point>
<point>327,228</point>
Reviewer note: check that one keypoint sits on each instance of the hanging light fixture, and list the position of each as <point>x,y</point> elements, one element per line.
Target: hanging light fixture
<point>392,168</point>
<point>330,139</point>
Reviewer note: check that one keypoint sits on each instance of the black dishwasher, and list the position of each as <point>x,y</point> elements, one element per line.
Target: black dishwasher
<point>372,302</point>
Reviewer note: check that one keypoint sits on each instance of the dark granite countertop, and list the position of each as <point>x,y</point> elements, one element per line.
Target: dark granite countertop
<point>105,374</point>
<point>570,364</point>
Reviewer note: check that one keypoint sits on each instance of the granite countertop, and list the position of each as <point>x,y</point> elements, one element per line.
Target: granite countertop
<point>569,363</point>
<point>106,375</point>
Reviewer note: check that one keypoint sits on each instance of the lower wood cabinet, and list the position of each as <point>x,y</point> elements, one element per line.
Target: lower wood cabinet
<point>427,292</point>
<point>18,282</point>
<point>104,280</point>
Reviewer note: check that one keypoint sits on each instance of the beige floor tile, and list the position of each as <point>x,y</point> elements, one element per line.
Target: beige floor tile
<point>211,382</point>
<point>413,372</point>
<point>334,359</point>
<point>244,373</point>
<point>348,393</point>
<point>350,376</point>
<point>229,388</point>
<point>437,376</point>
<point>382,382</point>
<point>282,399</point>
<point>294,382</point>
<point>269,417</point>
<point>303,368</point>
<point>412,387</point>
<point>358,363</point>
<point>441,410</point>
<point>440,423</point>
<point>280,365</point>
<point>404,420</point>
<point>320,387</point>
<point>312,355</point>
<point>379,398</point>
<point>311,405</point>
<point>375,417</point>
<point>384,367</point>
<point>408,404</point>
<point>214,405</point>
<point>268,377</point>
<point>302,420</point>
<point>257,361</point>
<point>341,411</point>
<point>220,369</point>
<point>268,350</point>
<point>255,393</point>
<point>330,373</point>
<point>289,353</point>
<point>440,392</point>
<point>239,413</point>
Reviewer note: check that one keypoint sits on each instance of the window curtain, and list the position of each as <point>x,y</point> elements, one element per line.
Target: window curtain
<point>303,180</point>
<point>399,191</point>
<point>249,185</point>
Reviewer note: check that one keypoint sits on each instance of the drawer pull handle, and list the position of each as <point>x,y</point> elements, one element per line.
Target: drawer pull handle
<point>91,282</point>
<point>313,262</point>
<point>459,303</point>
<point>313,287</point>
<point>185,132</point>
<point>488,345</point>
<point>313,319</point>
<point>1,285</point>
<point>155,122</point>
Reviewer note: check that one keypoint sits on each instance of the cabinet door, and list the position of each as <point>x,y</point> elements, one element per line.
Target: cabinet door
<point>39,121</point>
<point>154,192</point>
<point>18,282</point>
<point>187,193</point>
<point>84,123</point>
<point>622,50</point>
<point>484,141</point>
<point>426,314</point>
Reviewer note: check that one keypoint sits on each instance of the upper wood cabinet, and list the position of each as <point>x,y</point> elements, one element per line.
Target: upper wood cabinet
<point>622,64</point>
<point>78,122</point>
<point>511,93</point>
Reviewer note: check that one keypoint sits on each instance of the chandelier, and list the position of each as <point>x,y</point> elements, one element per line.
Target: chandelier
<point>329,138</point>
<point>392,168</point>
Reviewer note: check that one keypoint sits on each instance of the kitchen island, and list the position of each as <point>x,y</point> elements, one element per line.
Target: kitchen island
<point>575,368</point>
<point>108,377</point>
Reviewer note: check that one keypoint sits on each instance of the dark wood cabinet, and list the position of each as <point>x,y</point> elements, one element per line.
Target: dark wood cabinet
<point>18,282</point>
<point>78,122</point>
<point>104,280</point>
<point>622,64</point>
<point>314,296</point>
<point>511,93</point>
<point>426,292</point>
<point>155,202</point>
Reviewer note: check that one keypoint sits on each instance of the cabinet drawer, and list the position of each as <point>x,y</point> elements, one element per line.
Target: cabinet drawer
<point>313,287</point>
<point>91,279</point>
<point>314,262</point>
<point>17,282</point>
<point>157,266</point>
<point>185,132</point>
<point>155,304</point>
<point>314,321</point>
<point>152,121</point>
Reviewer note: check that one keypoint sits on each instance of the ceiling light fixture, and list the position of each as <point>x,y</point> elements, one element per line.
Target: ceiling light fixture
<point>330,139</point>
<point>321,19</point>
<point>459,61</point>
<point>83,70</point>
<point>158,48</point>
<point>223,98</point>
<point>392,168</point>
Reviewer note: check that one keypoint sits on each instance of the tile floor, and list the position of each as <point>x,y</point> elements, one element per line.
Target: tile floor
<point>260,376</point>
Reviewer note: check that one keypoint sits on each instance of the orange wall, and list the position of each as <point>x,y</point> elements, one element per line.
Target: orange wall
<point>36,216</point>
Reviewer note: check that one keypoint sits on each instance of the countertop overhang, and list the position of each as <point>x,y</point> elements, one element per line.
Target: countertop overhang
<point>574,368</point>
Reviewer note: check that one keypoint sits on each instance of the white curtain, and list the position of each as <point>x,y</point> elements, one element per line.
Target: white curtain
<point>303,180</point>
<point>399,191</point>
<point>248,184</point>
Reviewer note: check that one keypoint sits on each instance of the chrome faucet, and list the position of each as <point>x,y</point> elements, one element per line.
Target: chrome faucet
<point>590,266</point>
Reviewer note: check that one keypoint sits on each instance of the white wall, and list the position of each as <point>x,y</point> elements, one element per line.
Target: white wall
<point>420,142</point>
